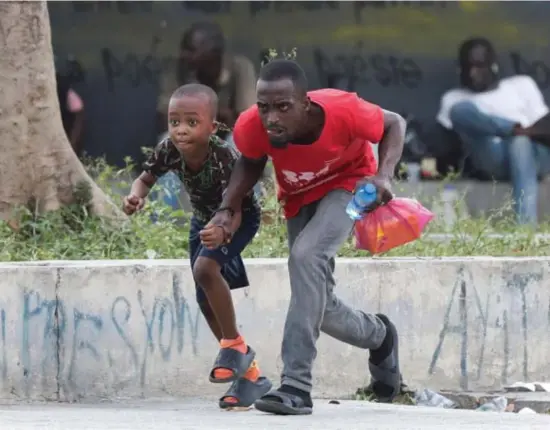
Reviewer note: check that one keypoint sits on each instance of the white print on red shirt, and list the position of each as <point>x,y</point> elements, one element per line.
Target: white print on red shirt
<point>303,179</point>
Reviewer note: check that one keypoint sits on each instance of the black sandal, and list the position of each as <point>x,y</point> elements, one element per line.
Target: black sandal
<point>233,360</point>
<point>279,403</point>
<point>246,392</point>
<point>386,376</point>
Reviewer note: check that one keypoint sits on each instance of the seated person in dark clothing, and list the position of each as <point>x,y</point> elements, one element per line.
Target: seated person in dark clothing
<point>500,122</point>
<point>204,59</point>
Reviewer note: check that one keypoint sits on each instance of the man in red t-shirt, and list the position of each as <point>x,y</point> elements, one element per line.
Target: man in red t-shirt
<point>320,144</point>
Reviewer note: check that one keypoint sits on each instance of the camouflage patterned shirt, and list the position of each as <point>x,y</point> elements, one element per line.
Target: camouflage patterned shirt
<point>205,187</point>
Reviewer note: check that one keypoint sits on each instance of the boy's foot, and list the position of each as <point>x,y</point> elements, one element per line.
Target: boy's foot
<point>245,391</point>
<point>384,365</point>
<point>232,362</point>
<point>286,400</point>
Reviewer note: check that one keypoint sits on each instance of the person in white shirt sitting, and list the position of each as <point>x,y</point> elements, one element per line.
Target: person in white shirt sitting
<point>501,123</point>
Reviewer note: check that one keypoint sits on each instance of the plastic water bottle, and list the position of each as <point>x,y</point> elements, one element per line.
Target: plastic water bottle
<point>362,199</point>
<point>435,400</point>
<point>495,405</point>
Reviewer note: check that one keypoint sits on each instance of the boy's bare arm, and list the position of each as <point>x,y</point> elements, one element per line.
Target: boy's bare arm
<point>135,201</point>
<point>142,185</point>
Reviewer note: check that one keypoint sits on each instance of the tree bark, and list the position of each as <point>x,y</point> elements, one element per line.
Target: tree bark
<point>37,163</point>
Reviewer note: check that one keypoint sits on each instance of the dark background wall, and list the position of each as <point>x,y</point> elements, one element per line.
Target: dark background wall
<point>400,55</point>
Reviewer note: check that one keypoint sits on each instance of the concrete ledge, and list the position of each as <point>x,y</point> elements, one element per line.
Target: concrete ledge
<point>480,198</point>
<point>116,329</point>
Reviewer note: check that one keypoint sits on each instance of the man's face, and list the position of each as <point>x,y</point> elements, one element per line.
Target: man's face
<point>198,54</point>
<point>282,109</point>
<point>479,73</point>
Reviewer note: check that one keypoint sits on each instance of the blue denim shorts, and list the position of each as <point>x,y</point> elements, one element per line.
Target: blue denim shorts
<point>227,256</point>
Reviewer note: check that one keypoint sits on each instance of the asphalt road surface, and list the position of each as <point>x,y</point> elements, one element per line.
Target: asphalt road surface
<point>204,414</point>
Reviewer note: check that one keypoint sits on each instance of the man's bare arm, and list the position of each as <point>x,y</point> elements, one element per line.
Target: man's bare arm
<point>76,132</point>
<point>539,131</point>
<point>246,173</point>
<point>390,147</point>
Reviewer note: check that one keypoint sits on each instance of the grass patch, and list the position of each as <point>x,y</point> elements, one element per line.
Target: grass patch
<point>405,397</point>
<point>73,234</point>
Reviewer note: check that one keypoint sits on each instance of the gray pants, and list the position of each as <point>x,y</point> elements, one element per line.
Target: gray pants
<point>315,235</point>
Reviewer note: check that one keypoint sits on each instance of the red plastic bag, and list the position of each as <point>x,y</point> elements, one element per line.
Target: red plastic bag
<point>398,222</point>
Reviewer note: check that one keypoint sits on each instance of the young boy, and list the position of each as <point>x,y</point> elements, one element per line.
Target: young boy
<point>204,164</point>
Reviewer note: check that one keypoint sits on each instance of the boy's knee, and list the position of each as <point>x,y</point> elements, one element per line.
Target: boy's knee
<point>205,271</point>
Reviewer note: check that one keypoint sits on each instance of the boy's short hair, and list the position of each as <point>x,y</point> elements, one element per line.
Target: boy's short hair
<point>198,89</point>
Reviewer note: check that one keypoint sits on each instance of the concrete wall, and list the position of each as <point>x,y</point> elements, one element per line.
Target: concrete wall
<point>74,330</point>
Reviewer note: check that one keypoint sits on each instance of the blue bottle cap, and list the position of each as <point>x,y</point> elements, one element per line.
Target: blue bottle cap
<point>370,188</point>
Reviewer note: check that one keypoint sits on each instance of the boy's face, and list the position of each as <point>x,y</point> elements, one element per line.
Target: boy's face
<point>190,122</point>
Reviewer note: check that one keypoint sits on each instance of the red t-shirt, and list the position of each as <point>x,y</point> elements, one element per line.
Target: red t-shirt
<point>338,159</point>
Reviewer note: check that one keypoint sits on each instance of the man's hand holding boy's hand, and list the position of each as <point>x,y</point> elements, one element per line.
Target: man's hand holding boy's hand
<point>219,231</point>
<point>213,236</point>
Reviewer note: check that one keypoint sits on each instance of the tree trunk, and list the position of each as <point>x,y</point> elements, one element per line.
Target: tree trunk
<point>37,162</point>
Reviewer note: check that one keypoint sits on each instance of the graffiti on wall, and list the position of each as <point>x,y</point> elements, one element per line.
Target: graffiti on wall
<point>57,338</point>
<point>358,69</point>
<point>348,72</point>
<point>489,332</point>
<point>122,7</point>
<point>133,69</point>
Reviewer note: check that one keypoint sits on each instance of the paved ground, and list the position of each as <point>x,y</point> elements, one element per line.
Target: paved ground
<point>538,401</point>
<point>200,414</point>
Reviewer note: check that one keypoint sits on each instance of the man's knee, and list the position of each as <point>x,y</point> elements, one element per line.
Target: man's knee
<point>522,142</point>
<point>522,153</point>
<point>302,255</point>
<point>205,272</point>
<point>461,112</point>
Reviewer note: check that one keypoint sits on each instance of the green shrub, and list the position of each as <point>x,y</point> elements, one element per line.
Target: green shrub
<point>73,234</point>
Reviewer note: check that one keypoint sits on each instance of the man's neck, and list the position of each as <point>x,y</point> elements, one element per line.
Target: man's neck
<point>315,124</point>
<point>493,85</point>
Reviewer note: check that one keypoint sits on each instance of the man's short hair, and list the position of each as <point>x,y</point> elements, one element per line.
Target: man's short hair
<point>198,89</point>
<point>469,44</point>
<point>284,69</point>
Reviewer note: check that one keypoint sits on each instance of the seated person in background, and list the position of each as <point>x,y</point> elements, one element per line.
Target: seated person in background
<point>501,124</point>
<point>204,59</point>
<point>72,112</point>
